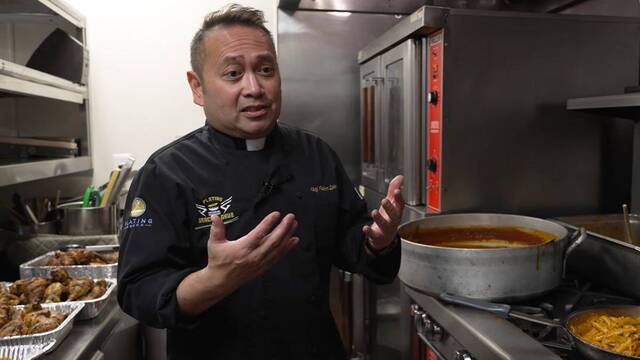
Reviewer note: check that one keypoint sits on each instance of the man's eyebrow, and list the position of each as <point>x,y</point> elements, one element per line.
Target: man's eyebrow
<point>239,58</point>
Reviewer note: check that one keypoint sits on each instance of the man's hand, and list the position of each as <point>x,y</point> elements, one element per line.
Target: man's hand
<point>234,263</point>
<point>387,217</point>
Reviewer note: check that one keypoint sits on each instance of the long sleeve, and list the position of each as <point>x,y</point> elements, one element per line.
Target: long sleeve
<point>155,252</point>
<point>352,256</point>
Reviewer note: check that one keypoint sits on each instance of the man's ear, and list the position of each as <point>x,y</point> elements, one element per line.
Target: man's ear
<point>196,87</point>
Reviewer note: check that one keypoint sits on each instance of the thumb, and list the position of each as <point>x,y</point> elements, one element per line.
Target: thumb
<point>217,229</point>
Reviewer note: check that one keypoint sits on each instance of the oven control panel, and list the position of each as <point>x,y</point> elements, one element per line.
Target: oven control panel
<point>434,119</point>
<point>434,343</point>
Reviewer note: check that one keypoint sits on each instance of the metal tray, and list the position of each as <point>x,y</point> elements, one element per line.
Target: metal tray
<point>58,334</point>
<point>92,308</point>
<point>26,352</point>
<point>36,267</point>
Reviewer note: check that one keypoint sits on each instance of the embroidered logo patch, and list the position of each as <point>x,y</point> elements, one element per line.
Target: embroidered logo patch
<point>319,188</point>
<point>138,207</point>
<point>215,205</point>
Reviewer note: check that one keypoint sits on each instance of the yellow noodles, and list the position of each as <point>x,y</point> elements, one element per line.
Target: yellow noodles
<point>620,334</point>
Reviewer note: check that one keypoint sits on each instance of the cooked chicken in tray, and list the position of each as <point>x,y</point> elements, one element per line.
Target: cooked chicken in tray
<point>59,288</point>
<point>82,257</point>
<point>32,319</point>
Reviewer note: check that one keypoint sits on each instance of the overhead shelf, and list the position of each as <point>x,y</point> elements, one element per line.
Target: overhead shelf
<point>22,80</point>
<point>21,172</point>
<point>623,106</point>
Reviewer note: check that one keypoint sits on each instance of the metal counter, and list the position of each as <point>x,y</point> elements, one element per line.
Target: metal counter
<point>91,339</point>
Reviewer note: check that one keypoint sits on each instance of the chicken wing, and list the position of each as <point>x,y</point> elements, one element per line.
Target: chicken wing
<point>54,293</point>
<point>60,275</point>
<point>98,289</point>
<point>79,288</point>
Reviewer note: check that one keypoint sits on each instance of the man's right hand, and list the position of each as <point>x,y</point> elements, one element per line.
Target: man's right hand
<point>233,263</point>
<point>251,255</point>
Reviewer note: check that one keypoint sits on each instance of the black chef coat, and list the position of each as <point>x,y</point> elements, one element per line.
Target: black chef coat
<point>282,314</point>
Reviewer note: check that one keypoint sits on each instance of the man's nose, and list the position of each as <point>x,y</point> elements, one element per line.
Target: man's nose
<point>252,85</point>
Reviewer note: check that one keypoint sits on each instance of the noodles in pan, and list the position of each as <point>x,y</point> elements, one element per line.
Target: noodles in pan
<point>620,334</point>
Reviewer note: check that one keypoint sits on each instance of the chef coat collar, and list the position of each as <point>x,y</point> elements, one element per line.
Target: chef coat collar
<point>231,142</point>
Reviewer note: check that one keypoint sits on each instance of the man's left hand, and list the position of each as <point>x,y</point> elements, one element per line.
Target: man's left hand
<point>387,217</point>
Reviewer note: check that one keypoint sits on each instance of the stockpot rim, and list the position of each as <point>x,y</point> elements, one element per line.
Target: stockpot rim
<point>562,233</point>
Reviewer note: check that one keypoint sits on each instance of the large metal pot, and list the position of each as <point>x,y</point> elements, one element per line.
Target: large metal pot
<point>78,220</point>
<point>489,274</point>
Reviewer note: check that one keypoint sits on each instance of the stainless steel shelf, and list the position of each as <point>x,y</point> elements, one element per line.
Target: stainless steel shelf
<point>64,10</point>
<point>22,80</point>
<point>36,170</point>
<point>624,106</point>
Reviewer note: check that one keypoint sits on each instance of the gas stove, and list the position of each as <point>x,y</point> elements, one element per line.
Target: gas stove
<point>443,331</point>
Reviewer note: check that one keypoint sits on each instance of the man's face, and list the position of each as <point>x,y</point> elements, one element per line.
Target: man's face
<point>240,83</point>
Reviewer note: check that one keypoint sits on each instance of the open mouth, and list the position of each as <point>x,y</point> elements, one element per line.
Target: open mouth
<point>255,111</point>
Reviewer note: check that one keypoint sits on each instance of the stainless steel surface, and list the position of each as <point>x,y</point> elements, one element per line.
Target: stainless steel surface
<point>490,274</point>
<point>38,267</point>
<point>66,11</point>
<point>368,6</point>
<point>463,355</point>
<point>17,71</point>
<point>22,172</point>
<point>25,352</point>
<point>604,260</point>
<point>421,21</point>
<point>88,336</point>
<point>58,334</point>
<point>401,126</point>
<point>371,80</point>
<point>591,351</point>
<point>622,105</point>
<point>76,220</point>
<point>484,335</point>
<point>317,54</point>
<point>627,224</point>
<point>502,310</point>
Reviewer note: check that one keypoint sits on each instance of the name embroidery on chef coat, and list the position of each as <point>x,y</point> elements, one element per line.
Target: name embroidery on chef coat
<point>214,205</point>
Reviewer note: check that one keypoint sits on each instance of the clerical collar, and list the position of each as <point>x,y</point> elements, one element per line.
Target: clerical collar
<point>232,142</point>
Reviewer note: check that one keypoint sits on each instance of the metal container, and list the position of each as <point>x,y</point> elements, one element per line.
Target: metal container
<point>90,308</point>
<point>26,352</point>
<point>37,267</point>
<point>78,220</point>
<point>57,334</point>
<point>490,274</point>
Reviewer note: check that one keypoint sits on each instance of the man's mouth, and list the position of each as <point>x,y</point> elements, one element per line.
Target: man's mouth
<point>255,111</point>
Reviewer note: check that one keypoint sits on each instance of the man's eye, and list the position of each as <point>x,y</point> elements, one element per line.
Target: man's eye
<point>268,70</point>
<point>233,74</point>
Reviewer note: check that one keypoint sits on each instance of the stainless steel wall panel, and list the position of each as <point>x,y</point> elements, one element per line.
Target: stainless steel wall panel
<point>317,52</point>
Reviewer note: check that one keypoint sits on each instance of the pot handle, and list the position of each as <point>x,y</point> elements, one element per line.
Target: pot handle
<point>579,235</point>
<point>497,309</point>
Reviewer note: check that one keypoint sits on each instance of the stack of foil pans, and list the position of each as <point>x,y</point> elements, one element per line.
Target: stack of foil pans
<point>26,352</point>
<point>91,308</point>
<point>44,339</point>
<point>38,266</point>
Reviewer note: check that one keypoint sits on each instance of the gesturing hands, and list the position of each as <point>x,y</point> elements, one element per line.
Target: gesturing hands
<point>387,217</point>
<point>254,253</point>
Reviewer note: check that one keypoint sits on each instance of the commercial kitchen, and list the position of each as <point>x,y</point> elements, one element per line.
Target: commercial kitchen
<point>515,117</point>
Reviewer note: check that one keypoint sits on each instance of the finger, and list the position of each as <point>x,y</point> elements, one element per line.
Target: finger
<point>394,185</point>
<point>376,236</point>
<point>284,247</point>
<point>392,212</point>
<point>384,224</point>
<point>398,200</point>
<point>284,230</point>
<point>255,236</point>
<point>217,229</point>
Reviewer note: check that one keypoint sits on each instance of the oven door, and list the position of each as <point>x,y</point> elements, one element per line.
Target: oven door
<point>371,82</point>
<point>401,143</point>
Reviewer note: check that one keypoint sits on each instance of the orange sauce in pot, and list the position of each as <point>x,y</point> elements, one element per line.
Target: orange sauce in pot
<point>480,237</point>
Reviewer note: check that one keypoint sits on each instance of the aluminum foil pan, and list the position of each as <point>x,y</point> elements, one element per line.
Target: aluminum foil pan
<point>92,308</point>
<point>42,339</point>
<point>26,352</point>
<point>37,267</point>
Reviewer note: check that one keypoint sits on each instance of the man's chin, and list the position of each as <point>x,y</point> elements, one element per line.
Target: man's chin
<point>256,129</point>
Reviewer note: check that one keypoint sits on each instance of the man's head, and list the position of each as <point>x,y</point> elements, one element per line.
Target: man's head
<point>235,75</point>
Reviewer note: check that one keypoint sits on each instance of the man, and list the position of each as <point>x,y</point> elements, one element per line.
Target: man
<point>230,232</point>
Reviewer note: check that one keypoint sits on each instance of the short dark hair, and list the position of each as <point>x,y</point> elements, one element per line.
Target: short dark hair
<point>232,14</point>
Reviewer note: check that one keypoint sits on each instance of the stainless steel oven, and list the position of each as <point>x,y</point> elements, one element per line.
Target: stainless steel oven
<point>470,106</point>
